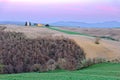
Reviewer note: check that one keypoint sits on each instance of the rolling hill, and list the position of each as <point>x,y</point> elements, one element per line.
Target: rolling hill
<point>110,24</point>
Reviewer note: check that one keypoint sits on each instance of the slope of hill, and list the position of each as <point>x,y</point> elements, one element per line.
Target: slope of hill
<point>106,49</point>
<point>113,33</point>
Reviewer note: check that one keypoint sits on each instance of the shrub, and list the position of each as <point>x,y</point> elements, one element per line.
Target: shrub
<point>36,67</point>
<point>117,60</point>
<point>61,63</point>
<point>51,64</point>
<point>1,68</point>
<point>89,62</point>
<point>19,54</point>
<point>47,25</point>
<point>109,38</point>
<point>97,40</point>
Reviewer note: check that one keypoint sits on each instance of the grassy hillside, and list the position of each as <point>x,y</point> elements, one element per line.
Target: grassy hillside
<point>106,33</point>
<point>104,71</point>
<point>74,32</point>
<point>68,32</point>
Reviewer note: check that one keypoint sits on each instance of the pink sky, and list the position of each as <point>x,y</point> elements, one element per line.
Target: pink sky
<point>60,10</point>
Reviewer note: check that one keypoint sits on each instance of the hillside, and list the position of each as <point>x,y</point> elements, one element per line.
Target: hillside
<point>102,32</point>
<point>44,52</point>
<point>106,49</point>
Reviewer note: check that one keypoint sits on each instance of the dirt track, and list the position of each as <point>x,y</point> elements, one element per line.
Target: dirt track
<point>106,49</point>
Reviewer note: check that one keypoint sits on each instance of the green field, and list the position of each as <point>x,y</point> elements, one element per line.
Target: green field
<point>104,71</point>
<point>77,33</point>
<point>68,32</point>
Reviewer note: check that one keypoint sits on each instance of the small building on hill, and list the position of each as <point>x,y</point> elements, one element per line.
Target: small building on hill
<point>38,25</point>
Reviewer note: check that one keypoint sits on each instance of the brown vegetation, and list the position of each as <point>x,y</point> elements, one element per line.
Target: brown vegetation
<point>18,54</point>
<point>2,28</point>
<point>97,40</point>
<point>89,62</point>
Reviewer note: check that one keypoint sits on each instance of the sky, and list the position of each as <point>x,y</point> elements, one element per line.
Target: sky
<point>48,11</point>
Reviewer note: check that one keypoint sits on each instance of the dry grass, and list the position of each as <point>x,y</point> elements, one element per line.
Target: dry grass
<point>34,32</point>
<point>106,49</point>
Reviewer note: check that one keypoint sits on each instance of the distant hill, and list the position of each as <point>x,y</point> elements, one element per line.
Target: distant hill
<point>12,22</point>
<point>111,24</point>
